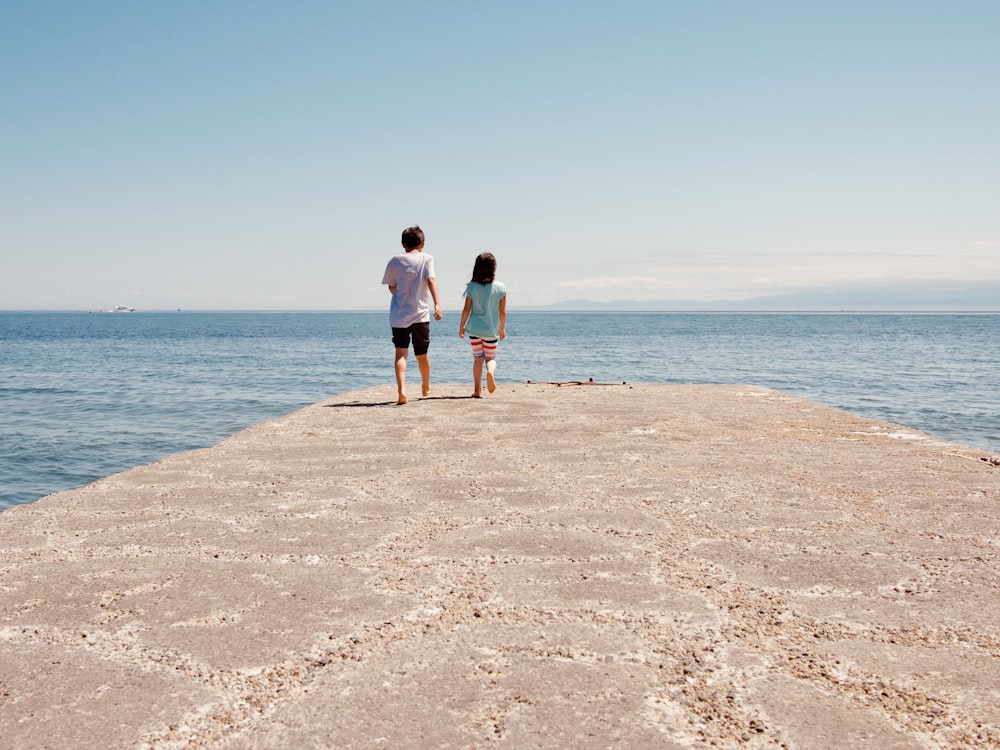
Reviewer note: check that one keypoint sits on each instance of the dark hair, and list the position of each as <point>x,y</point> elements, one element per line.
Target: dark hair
<point>413,237</point>
<point>485,269</point>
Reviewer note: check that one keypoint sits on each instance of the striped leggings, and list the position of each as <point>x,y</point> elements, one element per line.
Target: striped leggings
<point>483,348</point>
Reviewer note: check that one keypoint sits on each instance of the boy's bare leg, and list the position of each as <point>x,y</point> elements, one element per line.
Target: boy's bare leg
<point>477,378</point>
<point>424,363</point>
<point>401,374</point>
<point>491,384</point>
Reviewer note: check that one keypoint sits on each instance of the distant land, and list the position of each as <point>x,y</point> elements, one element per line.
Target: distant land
<point>937,297</point>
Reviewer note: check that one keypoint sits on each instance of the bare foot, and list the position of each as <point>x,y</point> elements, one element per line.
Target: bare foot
<point>426,390</point>
<point>491,384</point>
<point>477,395</point>
<point>401,400</point>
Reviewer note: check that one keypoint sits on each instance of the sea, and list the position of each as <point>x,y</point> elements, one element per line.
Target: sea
<point>87,394</point>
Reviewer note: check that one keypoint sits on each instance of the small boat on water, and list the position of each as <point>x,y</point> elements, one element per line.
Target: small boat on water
<point>122,308</point>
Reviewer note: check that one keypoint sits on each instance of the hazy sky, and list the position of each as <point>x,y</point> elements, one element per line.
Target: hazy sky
<point>266,155</point>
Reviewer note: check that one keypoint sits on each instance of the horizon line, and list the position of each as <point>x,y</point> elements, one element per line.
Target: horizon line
<point>551,308</point>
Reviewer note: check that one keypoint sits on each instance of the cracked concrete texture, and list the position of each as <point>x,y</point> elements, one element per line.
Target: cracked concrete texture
<point>551,566</point>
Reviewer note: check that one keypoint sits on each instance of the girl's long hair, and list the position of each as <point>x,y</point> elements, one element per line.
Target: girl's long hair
<point>485,269</point>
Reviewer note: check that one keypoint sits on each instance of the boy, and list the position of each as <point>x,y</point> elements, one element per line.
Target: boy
<point>409,276</point>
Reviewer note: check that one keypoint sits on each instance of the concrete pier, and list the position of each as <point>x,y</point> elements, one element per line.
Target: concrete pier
<point>564,566</point>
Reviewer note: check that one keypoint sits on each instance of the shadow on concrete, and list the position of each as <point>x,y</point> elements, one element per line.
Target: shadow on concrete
<point>360,403</point>
<point>393,403</point>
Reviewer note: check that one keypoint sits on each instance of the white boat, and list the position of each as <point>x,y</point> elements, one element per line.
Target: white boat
<point>121,308</point>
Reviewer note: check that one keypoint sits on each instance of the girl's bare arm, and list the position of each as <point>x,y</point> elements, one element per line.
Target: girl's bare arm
<point>465,316</point>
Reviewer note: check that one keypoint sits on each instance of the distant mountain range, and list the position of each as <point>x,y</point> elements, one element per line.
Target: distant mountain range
<point>951,296</point>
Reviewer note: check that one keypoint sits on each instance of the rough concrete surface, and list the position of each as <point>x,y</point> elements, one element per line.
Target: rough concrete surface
<point>578,566</point>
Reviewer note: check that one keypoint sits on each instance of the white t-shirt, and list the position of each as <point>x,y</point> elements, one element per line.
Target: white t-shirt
<point>408,273</point>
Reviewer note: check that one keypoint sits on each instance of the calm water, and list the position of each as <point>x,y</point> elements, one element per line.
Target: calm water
<point>87,395</point>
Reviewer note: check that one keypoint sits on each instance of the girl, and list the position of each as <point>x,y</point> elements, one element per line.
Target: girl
<point>486,313</point>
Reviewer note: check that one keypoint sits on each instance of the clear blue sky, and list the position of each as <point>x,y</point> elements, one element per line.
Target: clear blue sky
<point>266,155</point>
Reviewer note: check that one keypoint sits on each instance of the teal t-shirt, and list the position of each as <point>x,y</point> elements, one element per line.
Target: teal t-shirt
<point>484,320</point>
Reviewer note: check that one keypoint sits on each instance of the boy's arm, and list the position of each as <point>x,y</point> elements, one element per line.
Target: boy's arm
<point>389,278</point>
<point>465,316</point>
<point>433,286</point>
<point>503,317</point>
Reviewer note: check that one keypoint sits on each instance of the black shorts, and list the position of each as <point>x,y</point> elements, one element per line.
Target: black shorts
<point>421,333</point>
